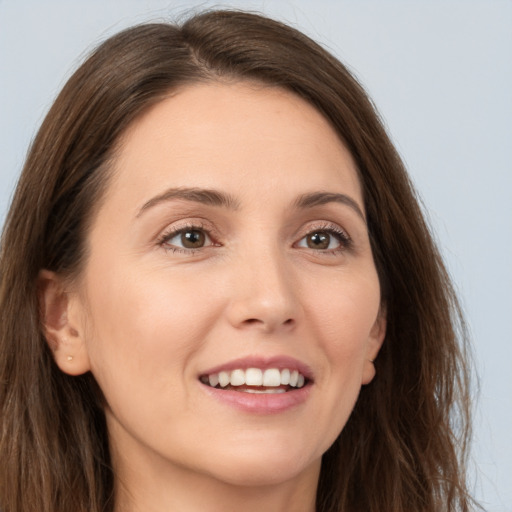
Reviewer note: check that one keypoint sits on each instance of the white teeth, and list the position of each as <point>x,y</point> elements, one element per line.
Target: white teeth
<point>237,378</point>
<point>272,378</point>
<point>253,377</point>
<point>269,378</point>
<point>213,379</point>
<point>223,379</point>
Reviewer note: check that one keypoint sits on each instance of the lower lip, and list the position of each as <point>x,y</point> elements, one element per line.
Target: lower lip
<point>260,403</point>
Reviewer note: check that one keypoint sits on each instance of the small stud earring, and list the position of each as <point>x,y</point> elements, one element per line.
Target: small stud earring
<point>70,358</point>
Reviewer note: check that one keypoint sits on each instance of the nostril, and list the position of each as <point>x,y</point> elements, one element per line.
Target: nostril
<point>251,321</point>
<point>267,324</point>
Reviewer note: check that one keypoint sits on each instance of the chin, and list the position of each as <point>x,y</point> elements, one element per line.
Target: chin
<point>259,466</point>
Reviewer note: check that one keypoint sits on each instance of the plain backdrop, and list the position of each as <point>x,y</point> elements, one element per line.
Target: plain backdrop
<point>440,73</point>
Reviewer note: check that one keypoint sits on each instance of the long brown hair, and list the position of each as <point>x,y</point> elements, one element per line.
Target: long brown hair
<point>404,446</point>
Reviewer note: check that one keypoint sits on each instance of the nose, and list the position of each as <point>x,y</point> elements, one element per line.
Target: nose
<point>265,295</point>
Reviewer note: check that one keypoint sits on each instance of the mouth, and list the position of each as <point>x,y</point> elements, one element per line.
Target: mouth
<point>257,380</point>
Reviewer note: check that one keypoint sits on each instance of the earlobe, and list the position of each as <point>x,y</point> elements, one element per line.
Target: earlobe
<point>63,336</point>
<point>375,341</point>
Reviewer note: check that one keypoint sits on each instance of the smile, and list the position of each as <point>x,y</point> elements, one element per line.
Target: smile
<point>256,380</point>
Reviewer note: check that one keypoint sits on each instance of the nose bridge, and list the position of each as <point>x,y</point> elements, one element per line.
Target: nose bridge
<point>264,291</point>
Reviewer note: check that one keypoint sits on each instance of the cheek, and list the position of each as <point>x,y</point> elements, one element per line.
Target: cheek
<point>344,324</point>
<point>345,311</point>
<point>143,328</point>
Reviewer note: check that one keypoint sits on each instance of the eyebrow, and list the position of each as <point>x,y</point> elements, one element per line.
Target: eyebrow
<point>212,197</point>
<point>321,198</point>
<point>198,195</point>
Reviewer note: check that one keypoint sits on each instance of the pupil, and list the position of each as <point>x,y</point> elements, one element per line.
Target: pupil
<point>319,240</point>
<point>192,239</point>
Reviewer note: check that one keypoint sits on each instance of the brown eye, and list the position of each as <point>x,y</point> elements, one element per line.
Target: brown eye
<point>192,239</point>
<point>318,240</point>
<point>187,238</point>
<point>325,240</point>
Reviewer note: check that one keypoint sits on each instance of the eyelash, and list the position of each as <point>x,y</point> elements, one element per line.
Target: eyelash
<point>331,229</point>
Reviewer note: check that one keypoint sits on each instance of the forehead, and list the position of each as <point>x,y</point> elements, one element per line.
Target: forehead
<point>239,137</point>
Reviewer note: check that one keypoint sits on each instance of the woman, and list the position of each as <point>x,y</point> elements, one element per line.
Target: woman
<point>218,291</point>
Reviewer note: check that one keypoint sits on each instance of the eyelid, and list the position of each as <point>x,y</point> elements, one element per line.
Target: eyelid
<point>322,225</point>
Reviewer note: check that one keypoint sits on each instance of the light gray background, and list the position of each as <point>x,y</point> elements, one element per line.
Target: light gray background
<point>440,73</point>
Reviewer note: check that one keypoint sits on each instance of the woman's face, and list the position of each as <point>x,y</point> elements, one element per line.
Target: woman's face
<point>231,246</point>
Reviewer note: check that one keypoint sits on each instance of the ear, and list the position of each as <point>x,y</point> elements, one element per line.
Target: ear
<point>375,340</point>
<point>61,325</point>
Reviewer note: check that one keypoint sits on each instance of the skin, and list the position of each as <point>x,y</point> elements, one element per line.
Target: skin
<point>148,316</point>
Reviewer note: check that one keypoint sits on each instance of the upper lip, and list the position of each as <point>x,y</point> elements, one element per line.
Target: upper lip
<point>264,363</point>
